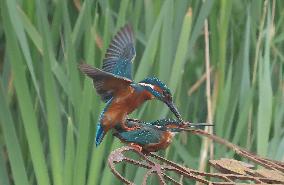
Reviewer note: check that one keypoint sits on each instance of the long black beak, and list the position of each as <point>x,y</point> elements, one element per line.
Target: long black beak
<point>174,110</point>
<point>190,126</point>
<point>198,124</point>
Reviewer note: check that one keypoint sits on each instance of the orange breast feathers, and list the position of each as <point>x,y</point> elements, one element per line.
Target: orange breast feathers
<point>163,143</point>
<point>122,105</point>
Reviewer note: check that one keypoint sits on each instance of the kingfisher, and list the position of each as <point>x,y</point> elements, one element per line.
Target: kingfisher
<point>116,87</point>
<point>153,136</point>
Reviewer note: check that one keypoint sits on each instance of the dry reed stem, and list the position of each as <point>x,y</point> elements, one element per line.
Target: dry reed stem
<point>207,144</point>
<point>198,83</point>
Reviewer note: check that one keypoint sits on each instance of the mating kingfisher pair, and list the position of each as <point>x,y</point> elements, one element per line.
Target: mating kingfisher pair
<point>122,95</point>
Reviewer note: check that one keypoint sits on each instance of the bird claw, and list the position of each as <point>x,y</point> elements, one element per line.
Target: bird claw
<point>127,128</point>
<point>132,128</point>
<point>136,147</point>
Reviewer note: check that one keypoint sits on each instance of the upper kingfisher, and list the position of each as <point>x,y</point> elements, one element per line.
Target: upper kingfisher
<point>115,85</point>
<point>153,136</point>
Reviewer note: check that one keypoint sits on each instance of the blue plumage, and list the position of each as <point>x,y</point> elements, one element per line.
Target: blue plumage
<point>143,136</point>
<point>165,122</point>
<point>114,82</point>
<point>158,83</point>
<point>120,54</point>
<point>100,133</point>
<point>117,64</point>
<point>160,91</point>
<point>156,135</point>
<point>123,69</point>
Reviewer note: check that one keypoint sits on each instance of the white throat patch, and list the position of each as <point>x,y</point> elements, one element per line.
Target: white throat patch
<point>145,85</point>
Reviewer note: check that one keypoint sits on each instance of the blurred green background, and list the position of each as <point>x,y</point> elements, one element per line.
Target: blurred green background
<point>49,110</point>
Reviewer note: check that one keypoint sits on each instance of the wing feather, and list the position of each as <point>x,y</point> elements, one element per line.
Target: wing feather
<point>106,84</point>
<point>120,54</point>
<point>142,136</point>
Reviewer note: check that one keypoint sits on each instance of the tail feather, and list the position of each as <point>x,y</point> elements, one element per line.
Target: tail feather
<point>99,134</point>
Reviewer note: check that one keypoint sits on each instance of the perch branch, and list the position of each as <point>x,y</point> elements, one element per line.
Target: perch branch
<point>230,170</point>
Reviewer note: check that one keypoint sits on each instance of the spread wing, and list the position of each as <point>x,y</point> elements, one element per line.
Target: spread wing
<point>107,85</point>
<point>142,136</point>
<point>120,54</point>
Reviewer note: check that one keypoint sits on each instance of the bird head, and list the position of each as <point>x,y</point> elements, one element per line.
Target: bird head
<point>161,92</point>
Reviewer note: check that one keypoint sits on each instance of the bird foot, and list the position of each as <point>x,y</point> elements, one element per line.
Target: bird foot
<point>130,128</point>
<point>136,147</point>
<point>133,128</point>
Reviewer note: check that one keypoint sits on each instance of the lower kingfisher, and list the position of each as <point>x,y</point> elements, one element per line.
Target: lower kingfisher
<point>115,85</point>
<point>153,136</point>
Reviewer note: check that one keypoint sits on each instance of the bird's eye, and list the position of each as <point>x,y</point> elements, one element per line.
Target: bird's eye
<point>167,96</point>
